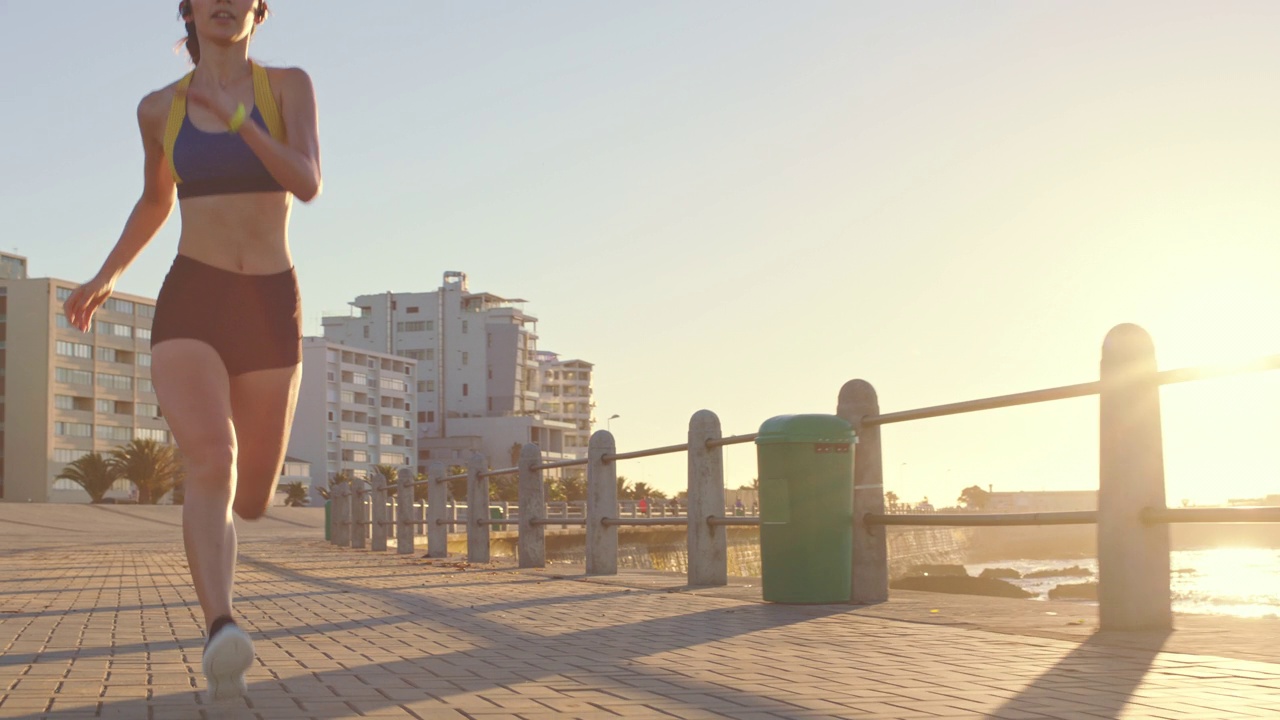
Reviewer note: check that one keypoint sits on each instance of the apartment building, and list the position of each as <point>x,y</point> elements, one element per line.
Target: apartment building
<point>64,393</point>
<point>478,380</point>
<point>565,396</point>
<point>355,410</point>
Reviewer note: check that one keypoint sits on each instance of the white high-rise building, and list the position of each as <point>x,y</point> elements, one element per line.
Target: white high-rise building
<point>64,393</point>
<point>478,373</point>
<point>355,410</point>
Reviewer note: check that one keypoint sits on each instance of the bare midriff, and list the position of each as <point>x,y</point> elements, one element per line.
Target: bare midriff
<point>242,232</point>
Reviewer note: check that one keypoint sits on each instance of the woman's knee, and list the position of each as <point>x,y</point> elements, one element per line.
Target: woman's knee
<point>210,462</point>
<point>251,505</point>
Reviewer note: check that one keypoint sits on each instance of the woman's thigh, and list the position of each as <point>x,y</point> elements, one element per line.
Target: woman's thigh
<point>195,398</point>
<point>262,403</point>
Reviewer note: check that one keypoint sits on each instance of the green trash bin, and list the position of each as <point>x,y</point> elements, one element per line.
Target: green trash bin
<point>495,513</point>
<point>806,508</point>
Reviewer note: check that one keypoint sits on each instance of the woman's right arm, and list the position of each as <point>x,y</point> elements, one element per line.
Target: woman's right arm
<point>148,216</point>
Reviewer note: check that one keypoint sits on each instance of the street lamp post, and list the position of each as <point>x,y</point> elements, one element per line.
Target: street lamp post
<point>608,424</point>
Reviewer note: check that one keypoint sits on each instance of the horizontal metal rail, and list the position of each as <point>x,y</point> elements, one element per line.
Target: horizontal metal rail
<point>578,522</point>
<point>1078,517</point>
<point>730,521</point>
<point>498,521</point>
<point>1154,516</point>
<point>646,453</point>
<point>732,440</point>
<point>644,522</point>
<point>1205,372</point>
<point>560,464</point>
<point>503,471</point>
<point>991,403</point>
<point>1164,377</point>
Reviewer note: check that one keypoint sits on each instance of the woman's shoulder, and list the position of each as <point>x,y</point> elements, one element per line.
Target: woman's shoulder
<point>155,104</point>
<point>288,78</point>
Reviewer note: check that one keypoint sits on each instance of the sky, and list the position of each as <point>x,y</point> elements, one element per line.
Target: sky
<point>741,205</point>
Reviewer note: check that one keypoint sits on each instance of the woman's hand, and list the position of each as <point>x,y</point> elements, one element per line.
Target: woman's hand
<point>84,302</point>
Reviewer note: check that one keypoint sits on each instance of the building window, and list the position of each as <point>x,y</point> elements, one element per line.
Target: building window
<point>411,311</point>
<point>120,306</point>
<point>466,358</point>
<point>70,429</point>
<point>148,410</point>
<point>144,359</point>
<point>63,294</point>
<point>431,386</point>
<point>356,436</point>
<point>422,417</point>
<point>114,433</point>
<point>160,436</point>
<point>66,455</point>
<point>115,382</point>
<point>73,377</point>
<point>144,333</point>
<point>430,354</point>
<point>466,390</point>
<point>431,416</point>
<point>393,384</point>
<point>464,327</point>
<point>107,407</point>
<point>73,349</point>
<point>146,311</point>
<point>144,385</point>
<point>114,329</point>
<point>366,332</point>
<point>411,326</point>
<point>348,397</point>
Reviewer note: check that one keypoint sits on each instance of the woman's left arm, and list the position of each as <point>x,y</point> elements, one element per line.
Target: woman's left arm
<point>294,164</point>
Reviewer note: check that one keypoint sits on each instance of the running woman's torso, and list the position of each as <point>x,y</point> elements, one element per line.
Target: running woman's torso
<point>235,215</point>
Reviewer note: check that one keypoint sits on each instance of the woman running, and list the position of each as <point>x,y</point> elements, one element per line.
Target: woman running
<point>234,142</point>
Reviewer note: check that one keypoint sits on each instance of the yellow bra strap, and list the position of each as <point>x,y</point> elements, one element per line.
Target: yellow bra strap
<point>265,101</point>
<point>177,113</point>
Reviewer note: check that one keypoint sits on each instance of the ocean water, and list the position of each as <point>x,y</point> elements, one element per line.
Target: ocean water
<point>1240,582</point>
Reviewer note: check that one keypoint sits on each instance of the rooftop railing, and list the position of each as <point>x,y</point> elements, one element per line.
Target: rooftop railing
<point>1132,519</point>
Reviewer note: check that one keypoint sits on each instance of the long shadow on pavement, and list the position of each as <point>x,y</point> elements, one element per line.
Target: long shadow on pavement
<point>1074,680</point>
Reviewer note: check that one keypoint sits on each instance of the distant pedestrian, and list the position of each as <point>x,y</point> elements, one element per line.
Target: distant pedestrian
<point>644,506</point>
<point>235,142</point>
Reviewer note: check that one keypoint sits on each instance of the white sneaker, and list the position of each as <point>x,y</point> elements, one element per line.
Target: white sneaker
<point>227,656</point>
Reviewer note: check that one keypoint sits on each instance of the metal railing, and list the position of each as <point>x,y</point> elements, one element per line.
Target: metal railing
<point>1132,520</point>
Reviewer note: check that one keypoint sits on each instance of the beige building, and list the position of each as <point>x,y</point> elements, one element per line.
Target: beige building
<point>565,397</point>
<point>64,393</point>
<point>355,410</point>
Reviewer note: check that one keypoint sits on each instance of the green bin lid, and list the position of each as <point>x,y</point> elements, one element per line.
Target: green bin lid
<point>812,428</point>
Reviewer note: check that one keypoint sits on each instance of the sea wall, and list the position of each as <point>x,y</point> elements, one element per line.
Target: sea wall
<point>651,548</point>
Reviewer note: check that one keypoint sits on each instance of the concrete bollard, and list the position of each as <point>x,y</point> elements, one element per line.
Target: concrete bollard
<point>477,510</point>
<point>342,514</point>
<point>437,510</point>
<point>359,513</point>
<point>405,529</point>
<point>1133,558</point>
<point>708,547</point>
<point>378,514</point>
<point>870,545</point>
<point>602,501</point>
<point>532,544</point>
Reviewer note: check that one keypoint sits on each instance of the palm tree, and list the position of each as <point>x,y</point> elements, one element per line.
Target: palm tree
<point>891,498</point>
<point>93,472</point>
<point>342,476</point>
<point>625,491</point>
<point>152,467</point>
<point>295,494</point>
<point>388,475</point>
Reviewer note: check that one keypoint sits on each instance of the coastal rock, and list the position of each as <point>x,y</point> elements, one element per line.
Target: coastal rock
<point>939,570</point>
<point>1075,591</point>
<point>961,585</point>
<point>1073,571</point>
<point>1001,574</point>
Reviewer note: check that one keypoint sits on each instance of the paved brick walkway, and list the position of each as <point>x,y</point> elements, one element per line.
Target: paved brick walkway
<point>111,630</point>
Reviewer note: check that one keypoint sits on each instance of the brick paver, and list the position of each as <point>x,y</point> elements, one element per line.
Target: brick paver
<point>113,631</point>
